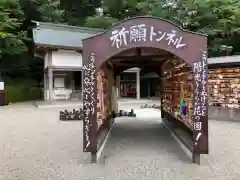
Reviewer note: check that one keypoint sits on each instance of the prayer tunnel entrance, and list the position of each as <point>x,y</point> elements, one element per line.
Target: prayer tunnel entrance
<point>155,45</point>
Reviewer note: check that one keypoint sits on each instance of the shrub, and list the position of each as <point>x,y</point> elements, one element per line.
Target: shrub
<point>21,93</point>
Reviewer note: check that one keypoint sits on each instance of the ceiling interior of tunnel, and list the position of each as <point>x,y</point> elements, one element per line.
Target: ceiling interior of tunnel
<point>141,57</point>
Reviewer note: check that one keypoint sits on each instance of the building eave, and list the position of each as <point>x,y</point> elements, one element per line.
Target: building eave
<point>56,47</point>
<point>67,27</point>
<point>64,68</point>
<point>42,49</point>
<point>224,59</point>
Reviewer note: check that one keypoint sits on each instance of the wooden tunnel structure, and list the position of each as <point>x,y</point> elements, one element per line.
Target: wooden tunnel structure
<point>178,56</point>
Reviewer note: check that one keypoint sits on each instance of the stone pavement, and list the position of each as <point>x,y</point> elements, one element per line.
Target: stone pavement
<point>35,145</point>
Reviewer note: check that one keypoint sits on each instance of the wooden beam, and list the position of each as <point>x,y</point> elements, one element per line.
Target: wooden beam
<point>142,61</point>
<point>48,46</point>
<point>142,57</point>
<point>137,65</point>
<point>110,64</point>
<point>148,70</point>
<point>138,55</point>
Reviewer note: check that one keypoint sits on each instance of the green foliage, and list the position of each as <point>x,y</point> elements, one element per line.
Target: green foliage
<point>11,36</point>
<point>76,11</point>
<point>113,11</point>
<point>19,90</point>
<point>219,19</point>
<point>50,10</point>
<point>103,22</point>
<point>121,9</point>
<point>20,93</point>
<point>16,45</point>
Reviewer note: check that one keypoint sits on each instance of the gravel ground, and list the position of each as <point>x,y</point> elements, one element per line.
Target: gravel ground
<point>35,145</point>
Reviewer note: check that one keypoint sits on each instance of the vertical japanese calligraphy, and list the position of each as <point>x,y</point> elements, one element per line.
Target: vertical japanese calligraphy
<point>142,32</point>
<point>200,114</point>
<point>204,94</point>
<point>89,99</point>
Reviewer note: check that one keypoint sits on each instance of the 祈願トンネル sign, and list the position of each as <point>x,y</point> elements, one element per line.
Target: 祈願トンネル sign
<point>142,32</point>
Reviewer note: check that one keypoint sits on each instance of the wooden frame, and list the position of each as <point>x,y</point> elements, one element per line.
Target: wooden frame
<point>188,46</point>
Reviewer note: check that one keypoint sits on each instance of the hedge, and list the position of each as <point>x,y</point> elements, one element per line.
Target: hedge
<point>21,93</point>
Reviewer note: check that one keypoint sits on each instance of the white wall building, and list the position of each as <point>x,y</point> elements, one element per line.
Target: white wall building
<point>61,48</point>
<point>63,75</point>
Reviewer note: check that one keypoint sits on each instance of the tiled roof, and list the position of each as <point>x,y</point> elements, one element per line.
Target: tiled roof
<point>61,35</point>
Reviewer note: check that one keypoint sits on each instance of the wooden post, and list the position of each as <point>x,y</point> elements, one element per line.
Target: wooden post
<point>196,158</point>
<point>138,85</point>
<point>50,83</point>
<point>93,157</point>
<point>45,89</point>
<point>161,97</point>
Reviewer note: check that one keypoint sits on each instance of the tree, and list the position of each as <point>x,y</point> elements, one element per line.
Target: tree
<point>76,11</point>
<point>11,35</point>
<point>113,11</point>
<point>16,35</point>
<point>219,19</point>
<point>121,9</point>
<point>50,10</point>
<point>101,22</point>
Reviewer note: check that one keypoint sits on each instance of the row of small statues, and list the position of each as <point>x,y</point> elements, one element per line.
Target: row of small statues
<point>71,115</point>
<point>125,113</point>
<point>155,106</point>
<point>78,114</point>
